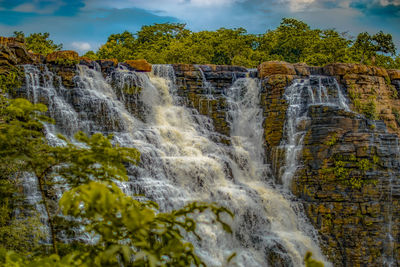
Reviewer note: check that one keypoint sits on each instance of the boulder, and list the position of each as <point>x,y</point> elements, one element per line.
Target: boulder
<point>394,74</point>
<point>139,65</point>
<point>86,60</point>
<point>6,41</point>
<point>341,69</point>
<point>7,57</point>
<point>14,51</point>
<point>107,63</point>
<point>275,67</point>
<point>37,58</point>
<point>60,56</point>
<point>302,69</point>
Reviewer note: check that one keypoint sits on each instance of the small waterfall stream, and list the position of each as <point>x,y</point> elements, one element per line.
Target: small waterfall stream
<point>181,163</point>
<point>315,90</point>
<point>389,258</point>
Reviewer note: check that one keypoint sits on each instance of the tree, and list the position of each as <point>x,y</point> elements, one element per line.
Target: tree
<point>368,46</point>
<point>39,42</point>
<point>129,232</point>
<point>291,39</point>
<point>119,46</point>
<point>91,55</point>
<point>328,47</point>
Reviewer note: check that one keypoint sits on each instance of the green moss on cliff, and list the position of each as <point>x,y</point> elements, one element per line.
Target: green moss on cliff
<point>132,90</point>
<point>10,80</point>
<point>351,170</point>
<point>396,116</point>
<point>66,62</point>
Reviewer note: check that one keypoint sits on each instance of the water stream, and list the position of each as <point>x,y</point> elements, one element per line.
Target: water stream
<point>181,162</point>
<point>315,90</point>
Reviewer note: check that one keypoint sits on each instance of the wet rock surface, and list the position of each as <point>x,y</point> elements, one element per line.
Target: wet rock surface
<point>203,87</point>
<point>349,183</point>
<point>348,178</point>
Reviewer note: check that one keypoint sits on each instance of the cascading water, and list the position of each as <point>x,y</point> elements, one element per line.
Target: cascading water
<point>300,95</point>
<point>181,163</point>
<point>389,258</point>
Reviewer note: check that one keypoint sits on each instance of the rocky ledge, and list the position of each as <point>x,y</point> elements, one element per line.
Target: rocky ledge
<point>349,172</point>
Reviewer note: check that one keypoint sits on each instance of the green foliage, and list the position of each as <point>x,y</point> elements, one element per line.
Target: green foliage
<point>293,41</point>
<point>17,129</point>
<point>367,45</point>
<point>99,160</point>
<point>351,170</point>
<point>131,90</point>
<point>310,262</point>
<point>369,110</point>
<point>10,80</point>
<point>332,141</point>
<point>39,42</point>
<point>132,231</point>
<point>91,55</point>
<point>396,116</point>
<point>66,62</point>
<point>127,231</point>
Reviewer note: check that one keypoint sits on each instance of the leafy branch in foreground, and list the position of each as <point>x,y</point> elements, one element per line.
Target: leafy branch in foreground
<point>128,232</point>
<point>124,231</point>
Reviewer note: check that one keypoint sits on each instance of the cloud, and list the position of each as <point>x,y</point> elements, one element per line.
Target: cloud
<point>43,7</point>
<point>71,21</point>
<point>298,5</point>
<point>81,46</point>
<point>160,5</point>
<point>39,7</point>
<point>90,26</point>
<point>387,8</point>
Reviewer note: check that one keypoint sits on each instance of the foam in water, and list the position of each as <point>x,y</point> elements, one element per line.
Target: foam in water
<point>181,163</point>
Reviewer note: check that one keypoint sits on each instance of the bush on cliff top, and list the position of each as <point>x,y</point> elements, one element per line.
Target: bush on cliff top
<point>292,41</point>
<point>39,42</point>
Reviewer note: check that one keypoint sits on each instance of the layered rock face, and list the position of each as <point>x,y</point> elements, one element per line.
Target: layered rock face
<point>13,52</point>
<point>348,173</point>
<point>349,184</point>
<point>203,87</point>
<point>348,167</point>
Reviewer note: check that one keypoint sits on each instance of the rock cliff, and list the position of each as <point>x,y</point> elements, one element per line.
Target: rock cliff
<point>348,175</point>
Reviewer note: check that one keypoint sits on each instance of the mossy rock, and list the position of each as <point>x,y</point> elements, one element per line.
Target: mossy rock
<point>67,57</point>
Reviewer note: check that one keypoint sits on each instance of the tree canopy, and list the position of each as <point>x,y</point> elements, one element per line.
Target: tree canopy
<point>39,42</point>
<point>292,41</point>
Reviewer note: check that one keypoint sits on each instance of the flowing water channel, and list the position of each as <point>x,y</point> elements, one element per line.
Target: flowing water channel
<point>181,162</point>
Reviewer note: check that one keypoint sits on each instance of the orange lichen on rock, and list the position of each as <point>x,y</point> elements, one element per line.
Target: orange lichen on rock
<point>10,40</point>
<point>139,65</point>
<point>62,55</point>
<point>275,67</point>
<point>341,69</point>
<point>394,74</point>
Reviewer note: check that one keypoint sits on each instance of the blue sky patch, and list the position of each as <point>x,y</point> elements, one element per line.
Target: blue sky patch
<point>86,24</point>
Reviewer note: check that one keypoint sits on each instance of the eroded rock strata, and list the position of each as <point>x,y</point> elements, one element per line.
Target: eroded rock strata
<point>349,174</point>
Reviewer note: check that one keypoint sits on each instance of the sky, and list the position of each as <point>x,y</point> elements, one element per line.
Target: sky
<point>83,25</point>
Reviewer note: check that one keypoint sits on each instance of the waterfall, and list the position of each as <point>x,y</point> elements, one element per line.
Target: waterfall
<point>181,162</point>
<point>315,90</point>
<point>389,258</point>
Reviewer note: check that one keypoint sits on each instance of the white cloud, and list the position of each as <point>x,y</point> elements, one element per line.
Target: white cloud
<point>390,2</point>
<point>25,8</point>
<point>34,7</point>
<point>157,4</point>
<point>81,46</point>
<point>298,5</point>
<point>212,2</point>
